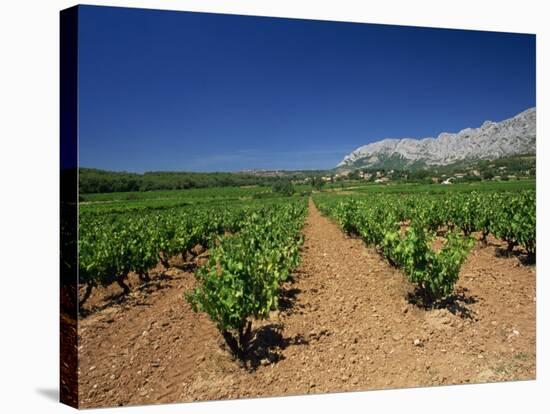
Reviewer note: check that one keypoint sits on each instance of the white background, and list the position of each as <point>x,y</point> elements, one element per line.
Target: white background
<point>29,159</point>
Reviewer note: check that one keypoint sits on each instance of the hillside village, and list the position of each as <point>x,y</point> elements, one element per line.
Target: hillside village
<point>504,169</point>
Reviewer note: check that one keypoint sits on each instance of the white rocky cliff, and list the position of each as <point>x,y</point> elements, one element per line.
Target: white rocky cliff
<point>492,140</point>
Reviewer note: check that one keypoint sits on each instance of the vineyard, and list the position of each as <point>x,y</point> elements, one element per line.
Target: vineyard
<point>252,285</point>
<point>403,229</point>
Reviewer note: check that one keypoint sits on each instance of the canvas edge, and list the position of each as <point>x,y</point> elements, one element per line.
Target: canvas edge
<point>68,118</point>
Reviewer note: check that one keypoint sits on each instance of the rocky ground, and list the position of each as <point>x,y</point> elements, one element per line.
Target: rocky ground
<point>346,323</point>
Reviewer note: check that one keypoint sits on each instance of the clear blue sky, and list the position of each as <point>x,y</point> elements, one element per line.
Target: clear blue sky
<point>183,91</point>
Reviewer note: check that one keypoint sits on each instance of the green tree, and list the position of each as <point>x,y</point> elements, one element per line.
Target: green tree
<point>283,187</point>
<point>317,183</point>
<point>488,175</point>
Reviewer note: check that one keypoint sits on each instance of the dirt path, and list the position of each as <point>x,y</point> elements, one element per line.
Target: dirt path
<point>345,324</point>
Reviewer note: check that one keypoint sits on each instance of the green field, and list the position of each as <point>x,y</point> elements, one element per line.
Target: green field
<point>440,188</point>
<point>166,199</point>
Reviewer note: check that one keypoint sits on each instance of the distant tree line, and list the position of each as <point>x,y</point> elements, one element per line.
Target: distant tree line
<point>100,181</point>
<point>283,187</point>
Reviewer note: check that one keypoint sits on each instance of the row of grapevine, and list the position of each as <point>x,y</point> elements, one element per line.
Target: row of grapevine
<point>434,272</point>
<point>242,277</point>
<point>509,216</point>
<point>112,246</point>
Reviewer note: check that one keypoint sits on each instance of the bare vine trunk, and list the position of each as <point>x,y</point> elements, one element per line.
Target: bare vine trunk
<point>121,282</point>
<point>144,277</point>
<point>87,294</point>
<point>239,345</point>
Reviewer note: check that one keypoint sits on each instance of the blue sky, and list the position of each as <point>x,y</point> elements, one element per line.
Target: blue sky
<point>184,91</point>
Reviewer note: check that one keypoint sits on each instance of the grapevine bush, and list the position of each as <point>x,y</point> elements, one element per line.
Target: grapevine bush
<point>241,280</point>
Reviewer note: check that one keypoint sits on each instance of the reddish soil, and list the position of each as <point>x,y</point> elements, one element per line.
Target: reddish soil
<point>345,324</point>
